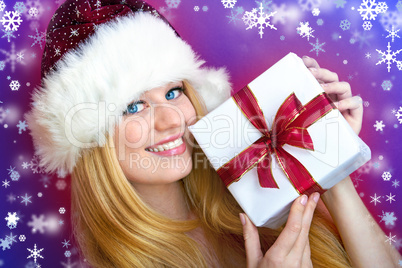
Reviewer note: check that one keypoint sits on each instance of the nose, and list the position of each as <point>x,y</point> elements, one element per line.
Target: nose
<point>168,116</point>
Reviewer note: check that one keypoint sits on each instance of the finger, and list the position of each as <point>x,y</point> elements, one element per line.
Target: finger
<point>251,240</point>
<point>353,107</point>
<point>341,90</point>
<point>324,75</point>
<point>306,259</point>
<point>310,62</point>
<point>286,240</point>
<point>302,239</point>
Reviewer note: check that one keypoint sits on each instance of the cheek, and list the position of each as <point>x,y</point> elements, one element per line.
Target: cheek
<point>134,132</point>
<point>189,113</point>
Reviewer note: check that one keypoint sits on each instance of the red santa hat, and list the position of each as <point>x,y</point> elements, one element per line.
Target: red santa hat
<point>100,55</point>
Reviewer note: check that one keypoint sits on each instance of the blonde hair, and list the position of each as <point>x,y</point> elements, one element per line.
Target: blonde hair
<point>115,228</point>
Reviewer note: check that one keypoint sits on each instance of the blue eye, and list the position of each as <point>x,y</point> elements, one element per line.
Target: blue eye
<point>135,107</point>
<point>174,93</point>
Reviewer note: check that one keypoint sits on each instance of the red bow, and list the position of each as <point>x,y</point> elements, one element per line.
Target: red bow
<point>289,127</point>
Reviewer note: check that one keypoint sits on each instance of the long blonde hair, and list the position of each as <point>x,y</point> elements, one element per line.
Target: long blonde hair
<point>115,228</point>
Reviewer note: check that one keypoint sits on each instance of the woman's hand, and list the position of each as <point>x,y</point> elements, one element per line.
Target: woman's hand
<point>350,106</point>
<point>291,249</point>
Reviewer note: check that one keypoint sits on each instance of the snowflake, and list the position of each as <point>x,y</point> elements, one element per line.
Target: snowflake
<point>26,199</point>
<point>11,20</point>
<point>316,11</point>
<point>196,8</point>
<point>61,185</point>
<point>20,56</point>
<point>172,3</point>
<point>235,15</point>
<point>2,6</point>
<point>35,165</point>
<point>367,25</point>
<point>252,20</point>
<point>317,47</point>
<point>398,6</point>
<point>69,264</point>
<point>382,7</point>
<point>33,12</point>
<point>14,175</point>
<point>386,85</point>
<point>345,25</point>
<point>34,4</point>
<point>12,220</point>
<point>11,56</point>
<point>2,66</point>
<point>395,183</point>
<point>38,38</point>
<point>25,165</point>
<point>22,126</point>
<point>22,238</point>
<point>11,198</point>
<point>3,115</point>
<point>369,9</point>
<point>391,238</point>
<point>340,3</point>
<point>20,7</point>
<point>67,253</point>
<point>228,3</point>
<point>14,85</point>
<point>35,253</point>
<point>388,217</point>
<point>205,8</point>
<point>392,33</point>
<point>74,32</point>
<point>308,5</point>
<point>320,22</point>
<point>390,198</point>
<point>304,30</point>
<point>38,224</point>
<point>399,65</point>
<point>4,244</point>
<point>389,56</point>
<point>66,243</point>
<point>375,199</point>
<point>62,210</point>
<point>8,34</point>
<point>6,183</point>
<point>11,238</point>
<point>45,180</point>
<point>379,125</point>
<point>386,176</point>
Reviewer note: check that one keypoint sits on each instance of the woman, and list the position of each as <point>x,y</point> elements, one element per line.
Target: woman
<point>119,89</point>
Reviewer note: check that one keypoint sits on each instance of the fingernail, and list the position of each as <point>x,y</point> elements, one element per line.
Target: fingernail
<point>306,57</point>
<point>303,199</point>
<point>242,219</point>
<point>316,196</point>
<point>324,85</point>
<point>313,70</point>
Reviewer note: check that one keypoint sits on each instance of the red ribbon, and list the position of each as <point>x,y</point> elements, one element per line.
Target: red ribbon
<point>289,127</point>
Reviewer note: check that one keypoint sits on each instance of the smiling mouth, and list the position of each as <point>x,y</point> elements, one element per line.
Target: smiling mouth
<point>166,146</point>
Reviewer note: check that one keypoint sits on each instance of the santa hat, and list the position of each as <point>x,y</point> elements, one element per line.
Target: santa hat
<point>100,55</point>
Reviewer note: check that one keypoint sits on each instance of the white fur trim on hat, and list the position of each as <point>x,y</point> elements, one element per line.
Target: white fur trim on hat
<point>96,82</point>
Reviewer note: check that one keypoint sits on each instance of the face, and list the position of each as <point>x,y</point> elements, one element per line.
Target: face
<point>153,144</point>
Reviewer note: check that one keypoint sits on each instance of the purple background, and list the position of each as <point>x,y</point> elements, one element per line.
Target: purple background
<point>219,35</point>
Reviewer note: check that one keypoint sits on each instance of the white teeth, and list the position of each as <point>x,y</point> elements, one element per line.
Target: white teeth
<point>167,146</point>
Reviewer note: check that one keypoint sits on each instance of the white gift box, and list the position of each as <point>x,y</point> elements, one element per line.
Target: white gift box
<point>225,132</point>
